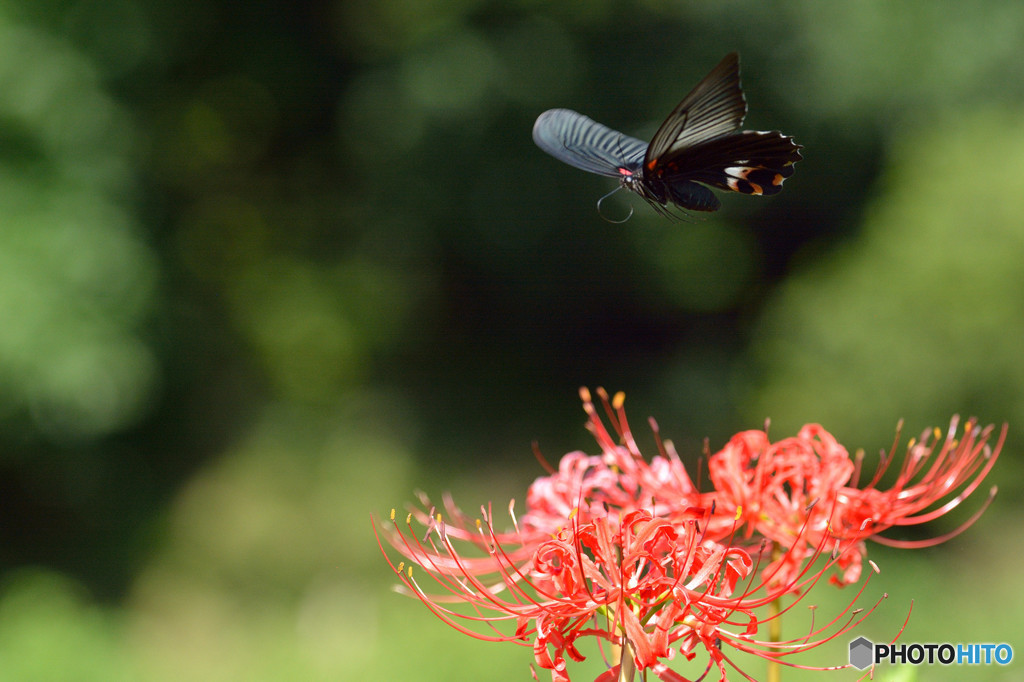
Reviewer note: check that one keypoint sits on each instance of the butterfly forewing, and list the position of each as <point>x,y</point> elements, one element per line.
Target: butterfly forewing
<point>586,144</point>
<point>715,107</point>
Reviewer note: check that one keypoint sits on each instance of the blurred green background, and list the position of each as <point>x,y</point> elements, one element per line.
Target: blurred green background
<point>268,267</point>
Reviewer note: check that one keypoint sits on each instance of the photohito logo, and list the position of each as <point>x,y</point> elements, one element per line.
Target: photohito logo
<point>864,653</point>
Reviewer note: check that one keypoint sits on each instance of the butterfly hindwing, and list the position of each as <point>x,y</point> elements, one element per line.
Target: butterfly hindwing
<point>693,197</point>
<point>750,162</point>
<point>584,143</point>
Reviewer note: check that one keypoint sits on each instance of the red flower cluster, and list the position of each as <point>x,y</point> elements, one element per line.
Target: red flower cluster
<point>631,552</point>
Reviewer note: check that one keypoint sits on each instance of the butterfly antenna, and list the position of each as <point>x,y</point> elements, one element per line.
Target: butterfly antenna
<point>606,218</point>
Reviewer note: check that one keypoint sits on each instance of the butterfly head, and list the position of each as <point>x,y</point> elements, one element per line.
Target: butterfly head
<point>633,180</point>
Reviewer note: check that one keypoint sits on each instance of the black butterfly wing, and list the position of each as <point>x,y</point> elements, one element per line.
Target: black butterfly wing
<point>586,144</point>
<point>701,142</point>
<point>750,162</point>
<point>715,107</point>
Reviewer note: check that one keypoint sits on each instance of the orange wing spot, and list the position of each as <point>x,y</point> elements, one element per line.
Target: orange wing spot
<point>652,164</point>
<point>778,179</point>
<point>743,186</point>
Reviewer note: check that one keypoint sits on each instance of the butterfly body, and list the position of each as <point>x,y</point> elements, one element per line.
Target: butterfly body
<point>699,145</point>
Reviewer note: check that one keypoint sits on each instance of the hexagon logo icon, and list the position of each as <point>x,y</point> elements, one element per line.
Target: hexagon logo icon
<point>861,650</point>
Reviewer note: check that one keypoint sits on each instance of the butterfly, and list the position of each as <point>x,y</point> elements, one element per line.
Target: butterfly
<point>700,142</point>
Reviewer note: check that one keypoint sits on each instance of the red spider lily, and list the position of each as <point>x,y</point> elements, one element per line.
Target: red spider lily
<point>617,481</point>
<point>785,492</point>
<point>632,553</point>
<point>648,585</point>
<point>800,488</point>
<point>959,464</point>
